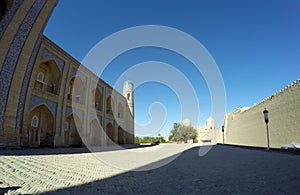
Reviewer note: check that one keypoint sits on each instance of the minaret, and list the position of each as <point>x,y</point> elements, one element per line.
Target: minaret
<point>128,94</point>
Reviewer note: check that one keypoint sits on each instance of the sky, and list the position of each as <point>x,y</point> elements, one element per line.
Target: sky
<point>255,45</point>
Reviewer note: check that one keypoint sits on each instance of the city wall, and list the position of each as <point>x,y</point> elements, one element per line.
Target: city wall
<point>246,126</point>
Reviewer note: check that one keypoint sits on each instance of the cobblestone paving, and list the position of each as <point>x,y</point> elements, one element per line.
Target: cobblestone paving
<point>35,174</point>
<point>223,170</point>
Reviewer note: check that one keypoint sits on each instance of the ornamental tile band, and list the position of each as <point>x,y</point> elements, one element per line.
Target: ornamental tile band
<point>14,51</point>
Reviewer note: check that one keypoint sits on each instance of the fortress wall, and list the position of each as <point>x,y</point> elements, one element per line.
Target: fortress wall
<point>248,127</point>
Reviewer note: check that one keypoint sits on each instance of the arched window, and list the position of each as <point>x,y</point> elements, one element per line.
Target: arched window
<point>40,76</point>
<point>120,110</point>
<point>109,105</point>
<point>35,121</point>
<point>66,126</point>
<point>128,96</point>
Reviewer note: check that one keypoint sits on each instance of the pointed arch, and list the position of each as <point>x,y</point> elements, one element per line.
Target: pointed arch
<point>95,133</point>
<point>109,105</point>
<point>120,135</point>
<point>110,132</point>
<point>97,98</point>
<point>48,76</point>
<point>35,121</point>
<point>42,133</point>
<point>72,134</point>
<point>76,90</point>
<point>120,110</point>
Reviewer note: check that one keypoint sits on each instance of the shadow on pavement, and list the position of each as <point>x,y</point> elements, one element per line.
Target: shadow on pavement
<point>4,190</point>
<point>223,170</point>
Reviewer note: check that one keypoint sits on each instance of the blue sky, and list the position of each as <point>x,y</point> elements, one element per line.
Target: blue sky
<point>256,45</point>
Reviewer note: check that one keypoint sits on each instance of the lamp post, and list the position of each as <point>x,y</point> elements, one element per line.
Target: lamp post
<point>223,132</point>
<point>266,116</point>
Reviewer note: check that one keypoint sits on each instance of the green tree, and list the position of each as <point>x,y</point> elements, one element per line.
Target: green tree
<point>174,130</point>
<point>137,140</point>
<point>184,133</point>
<point>149,139</point>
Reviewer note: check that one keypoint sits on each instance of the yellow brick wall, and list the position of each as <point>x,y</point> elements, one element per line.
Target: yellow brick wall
<point>248,127</point>
<point>11,135</point>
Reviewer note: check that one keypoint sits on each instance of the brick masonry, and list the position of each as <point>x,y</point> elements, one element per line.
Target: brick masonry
<point>12,57</point>
<point>247,127</point>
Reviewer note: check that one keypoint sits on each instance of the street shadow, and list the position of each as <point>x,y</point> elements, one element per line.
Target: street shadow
<point>4,190</point>
<point>223,170</point>
<point>66,150</point>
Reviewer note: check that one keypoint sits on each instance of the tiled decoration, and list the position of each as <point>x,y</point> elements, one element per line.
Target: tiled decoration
<point>108,120</point>
<point>14,51</point>
<point>36,101</point>
<point>48,55</point>
<point>9,15</point>
<point>69,111</point>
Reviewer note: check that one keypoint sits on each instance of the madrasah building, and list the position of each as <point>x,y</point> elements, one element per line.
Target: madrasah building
<point>47,98</point>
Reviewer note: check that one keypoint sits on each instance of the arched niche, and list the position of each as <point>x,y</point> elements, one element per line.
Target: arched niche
<point>41,130</point>
<point>48,77</point>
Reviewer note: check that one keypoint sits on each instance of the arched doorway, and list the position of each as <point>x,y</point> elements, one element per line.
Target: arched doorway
<point>120,110</point>
<point>95,133</point>
<point>120,135</point>
<point>97,98</point>
<point>48,77</point>
<point>41,131</point>
<point>110,133</point>
<point>76,90</point>
<point>72,136</point>
<point>109,105</point>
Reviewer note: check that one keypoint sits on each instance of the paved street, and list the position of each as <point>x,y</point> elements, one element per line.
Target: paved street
<point>223,170</point>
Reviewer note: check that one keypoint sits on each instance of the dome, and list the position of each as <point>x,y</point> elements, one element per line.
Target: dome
<point>128,85</point>
<point>210,119</point>
<point>186,122</point>
<point>128,82</point>
<point>210,122</point>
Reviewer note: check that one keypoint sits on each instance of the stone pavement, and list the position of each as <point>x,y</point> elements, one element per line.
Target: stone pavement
<point>223,170</point>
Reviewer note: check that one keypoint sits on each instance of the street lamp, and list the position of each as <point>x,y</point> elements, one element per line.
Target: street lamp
<point>266,116</point>
<point>223,132</point>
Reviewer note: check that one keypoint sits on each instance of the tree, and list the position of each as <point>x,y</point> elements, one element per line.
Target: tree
<point>137,140</point>
<point>149,139</point>
<point>184,133</point>
<point>174,130</point>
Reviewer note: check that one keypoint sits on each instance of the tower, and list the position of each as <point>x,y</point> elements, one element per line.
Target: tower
<point>211,129</point>
<point>210,123</point>
<point>128,94</point>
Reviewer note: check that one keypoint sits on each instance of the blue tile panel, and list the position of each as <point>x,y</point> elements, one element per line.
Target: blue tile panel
<point>47,55</point>
<point>14,51</point>
<point>36,101</point>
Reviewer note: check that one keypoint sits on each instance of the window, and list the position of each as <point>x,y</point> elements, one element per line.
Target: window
<point>66,126</point>
<point>77,98</point>
<point>35,121</point>
<point>40,76</point>
<point>128,96</point>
